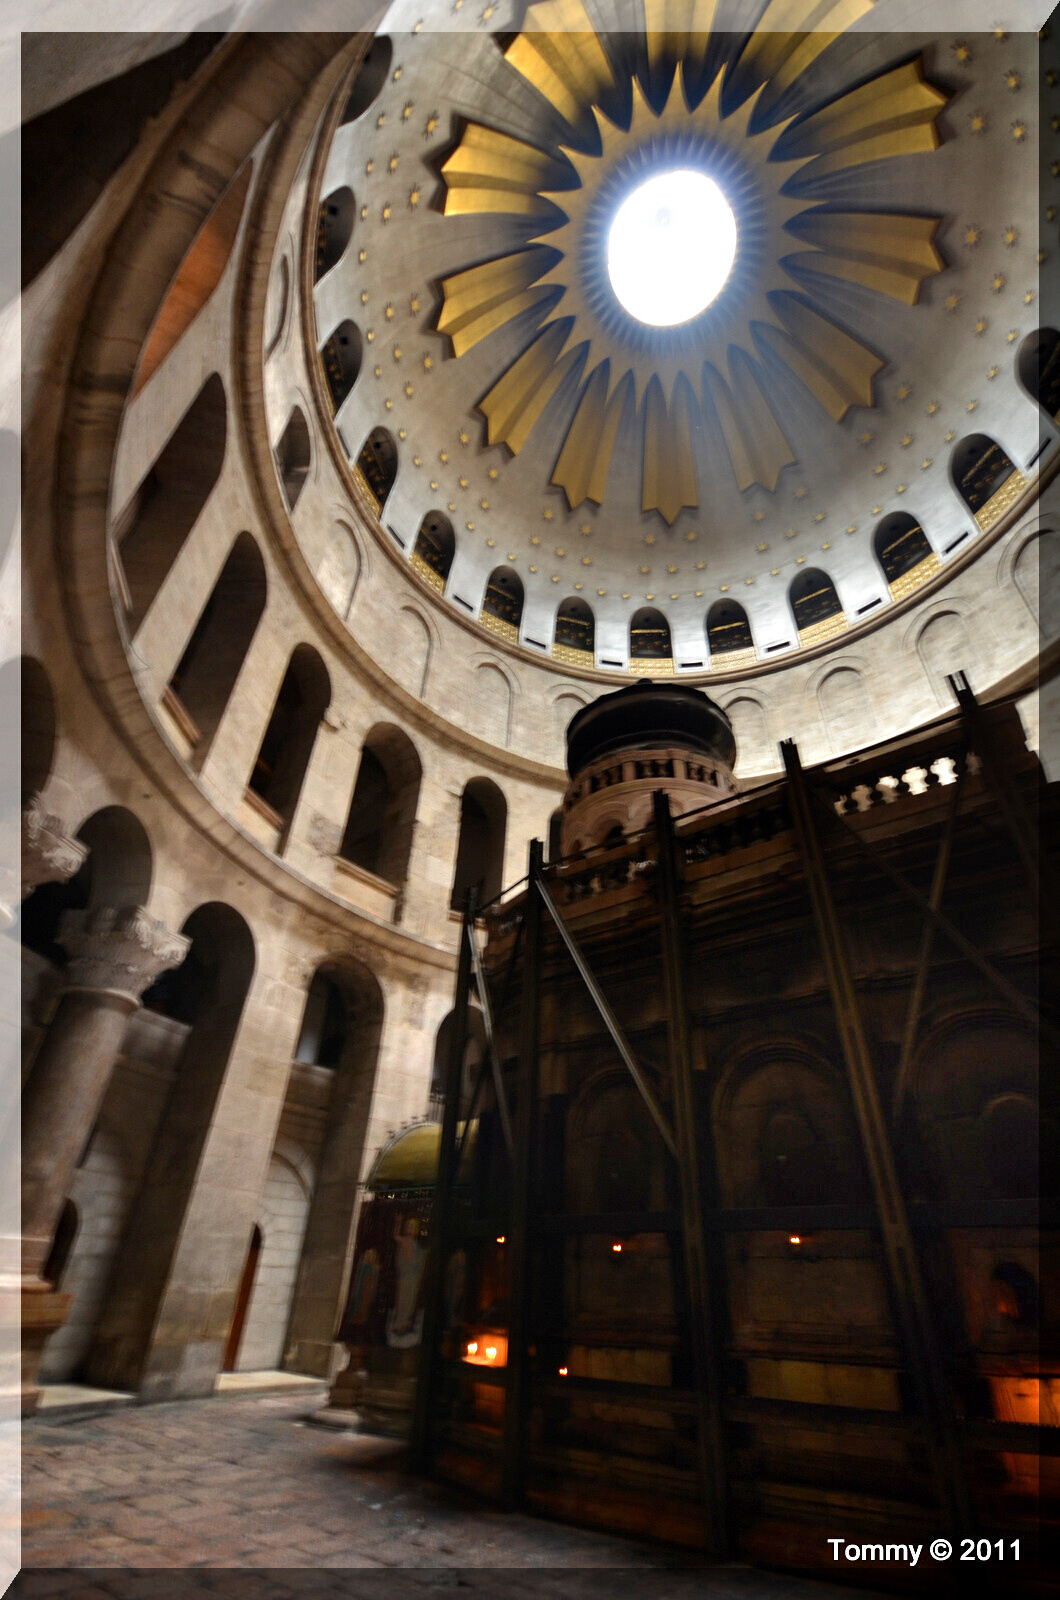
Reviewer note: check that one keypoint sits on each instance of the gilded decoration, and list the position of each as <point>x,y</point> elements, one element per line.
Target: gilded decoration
<point>818,632</point>
<point>733,660</point>
<point>915,577</point>
<point>651,666</point>
<point>723,124</point>
<point>367,490</point>
<point>572,657</point>
<point>427,572</point>
<point>1002,501</point>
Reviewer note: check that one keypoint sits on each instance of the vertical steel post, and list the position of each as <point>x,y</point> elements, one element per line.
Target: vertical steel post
<point>517,1376</point>
<point>423,1418</point>
<point>907,1287</point>
<point>710,1425</point>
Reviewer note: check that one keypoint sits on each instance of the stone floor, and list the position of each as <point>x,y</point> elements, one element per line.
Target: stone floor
<point>251,1483</point>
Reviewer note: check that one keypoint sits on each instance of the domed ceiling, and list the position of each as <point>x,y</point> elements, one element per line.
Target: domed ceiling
<point>883,191</point>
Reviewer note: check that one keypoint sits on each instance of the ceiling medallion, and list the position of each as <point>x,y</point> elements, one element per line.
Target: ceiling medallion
<point>711,370</point>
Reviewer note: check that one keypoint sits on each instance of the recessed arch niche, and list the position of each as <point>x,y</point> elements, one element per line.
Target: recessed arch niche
<point>729,635</point>
<point>340,357</point>
<point>574,636</point>
<point>980,468</point>
<point>650,645</point>
<point>502,606</point>
<point>432,554</point>
<point>377,467</point>
<point>334,230</point>
<point>371,76</point>
<point>901,547</point>
<point>816,606</point>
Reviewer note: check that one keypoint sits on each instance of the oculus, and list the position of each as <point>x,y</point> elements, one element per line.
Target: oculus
<point>671,247</point>
<point>705,110</point>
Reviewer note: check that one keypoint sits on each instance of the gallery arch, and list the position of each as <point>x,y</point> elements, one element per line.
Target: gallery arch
<point>480,849</point>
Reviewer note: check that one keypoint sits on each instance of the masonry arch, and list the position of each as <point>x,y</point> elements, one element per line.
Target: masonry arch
<point>382,814</point>
<point>204,677</point>
<point>480,846</point>
<point>117,871</point>
<point>151,529</point>
<point>280,766</point>
<point>320,1282</point>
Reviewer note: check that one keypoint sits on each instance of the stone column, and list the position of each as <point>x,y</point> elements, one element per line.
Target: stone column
<point>47,855</point>
<point>115,954</point>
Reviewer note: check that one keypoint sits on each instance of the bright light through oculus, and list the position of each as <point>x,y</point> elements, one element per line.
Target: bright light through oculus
<point>671,248</point>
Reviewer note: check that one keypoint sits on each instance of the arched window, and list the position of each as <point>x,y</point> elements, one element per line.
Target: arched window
<point>502,608</point>
<point>341,360</point>
<point>729,635</point>
<point>205,675</point>
<point>293,455</point>
<point>980,470</point>
<point>480,851</point>
<point>280,767</point>
<point>432,554</point>
<point>334,228</point>
<point>1038,368</point>
<point>574,640</point>
<point>650,648</point>
<point>382,817</point>
<point>370,79</point>
<point>377,467</point>
<point>151,530</point>
<point>904,553</point>
<point>325,1023</point>
<point>815,604</point>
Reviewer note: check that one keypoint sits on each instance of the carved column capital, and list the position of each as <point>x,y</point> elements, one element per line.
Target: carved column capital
<point>49,855</point>
<point>118,950</point>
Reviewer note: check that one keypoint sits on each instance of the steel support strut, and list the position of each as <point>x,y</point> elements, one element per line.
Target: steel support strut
<point>422,1451</point>
<point>517,1375</point>
<point>706,1354</point>
<point>907,1288</point>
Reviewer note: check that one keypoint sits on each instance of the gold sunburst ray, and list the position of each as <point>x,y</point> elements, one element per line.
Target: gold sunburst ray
<point>710,367</point>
